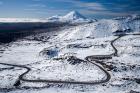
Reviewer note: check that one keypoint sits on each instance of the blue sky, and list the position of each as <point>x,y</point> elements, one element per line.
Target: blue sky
<point>89,8</point>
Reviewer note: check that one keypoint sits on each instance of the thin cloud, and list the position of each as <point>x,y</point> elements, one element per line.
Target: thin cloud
<point>31,9</point>
<point>86,5</point>
<point>111,8</point>
<point>107,13</point>
<point>36,0</point>
<point>37,5</point>
<point>47,12</point>
<point>92,6</point>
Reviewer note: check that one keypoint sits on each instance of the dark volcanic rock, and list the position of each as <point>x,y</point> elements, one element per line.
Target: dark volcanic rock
<point>137,81</point>
<point>74,60</point>
<point>133,91</point>
<point>79,46</point>
<point>17,83</point>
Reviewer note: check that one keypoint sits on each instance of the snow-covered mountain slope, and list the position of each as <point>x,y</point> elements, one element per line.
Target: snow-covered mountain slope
<point>102,28</point>
<point>131,22</point>
<point>129,17</point>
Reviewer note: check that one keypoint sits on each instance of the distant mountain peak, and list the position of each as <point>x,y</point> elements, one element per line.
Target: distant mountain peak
<point>73,15</point>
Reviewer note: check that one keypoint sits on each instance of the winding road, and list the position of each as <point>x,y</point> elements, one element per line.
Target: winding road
<point>95,59</point>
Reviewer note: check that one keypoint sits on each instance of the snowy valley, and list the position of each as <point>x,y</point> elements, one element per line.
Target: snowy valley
<point>95,56</point>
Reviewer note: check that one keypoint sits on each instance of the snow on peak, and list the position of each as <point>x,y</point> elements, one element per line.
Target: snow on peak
<point>74,15</point>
